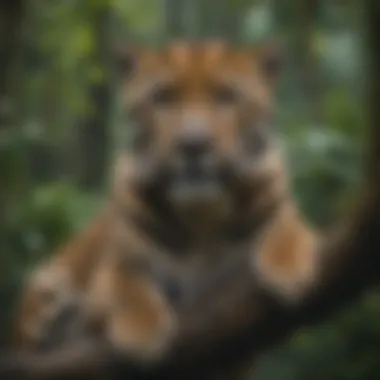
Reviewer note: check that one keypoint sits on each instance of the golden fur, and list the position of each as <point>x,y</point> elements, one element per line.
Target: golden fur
<point>153,225</point>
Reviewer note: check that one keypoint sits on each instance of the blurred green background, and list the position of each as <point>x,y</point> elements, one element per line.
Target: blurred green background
<point>61,125</point>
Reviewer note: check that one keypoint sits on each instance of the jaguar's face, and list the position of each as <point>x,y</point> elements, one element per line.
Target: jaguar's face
<point>201,113</point>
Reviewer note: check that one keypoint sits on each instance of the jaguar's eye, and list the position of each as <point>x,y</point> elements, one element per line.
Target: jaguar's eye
<point>225,95</point>
<point>165,96</point>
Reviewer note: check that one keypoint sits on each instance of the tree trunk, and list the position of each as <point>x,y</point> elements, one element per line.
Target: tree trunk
<point>221,19</point>
<point>297,21</point>
<point>175,17</point>
<point>94,134</point>
<point>11,17</point>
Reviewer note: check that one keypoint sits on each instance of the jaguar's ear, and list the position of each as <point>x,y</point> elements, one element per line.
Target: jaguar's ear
<point>125,58</point>
<point>271,56</point>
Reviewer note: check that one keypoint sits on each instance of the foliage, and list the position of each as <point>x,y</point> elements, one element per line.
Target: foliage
<point>65,57</point>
